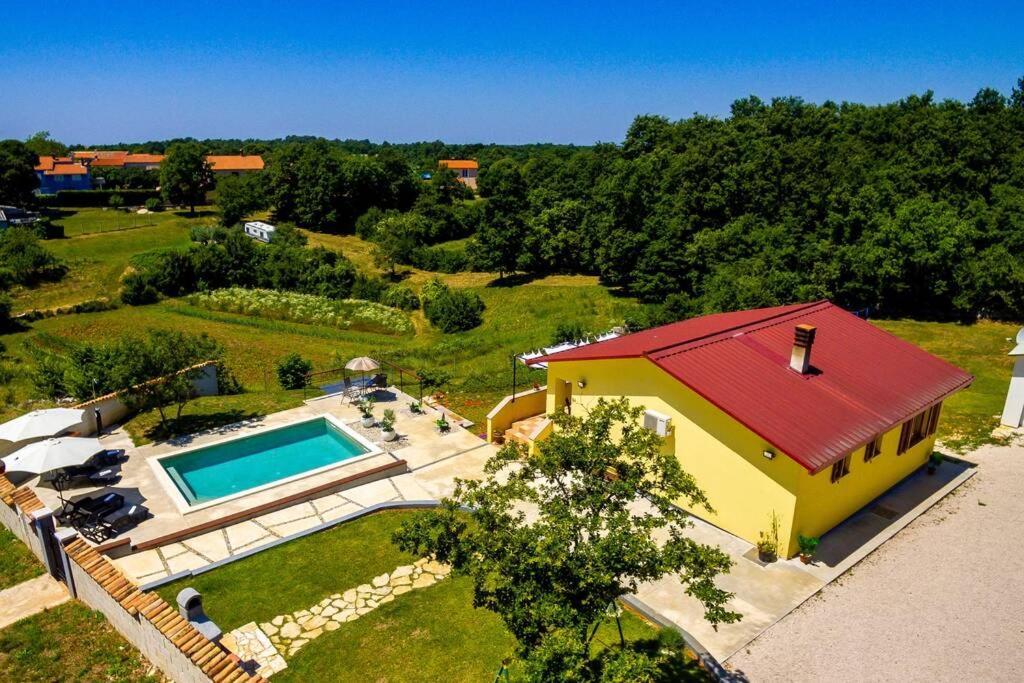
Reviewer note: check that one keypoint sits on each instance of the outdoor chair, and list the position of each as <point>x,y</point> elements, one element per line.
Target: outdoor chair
<point>70,477</point>
<point>109,457</point>
<point>350,392</point>
<point>80,512</point>
<point>117,522</point>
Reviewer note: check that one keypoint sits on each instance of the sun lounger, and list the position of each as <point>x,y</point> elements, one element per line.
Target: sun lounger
<point>82,511</point>
<point>117,522</point>
<point>77,476</point>
<point>111,456</point>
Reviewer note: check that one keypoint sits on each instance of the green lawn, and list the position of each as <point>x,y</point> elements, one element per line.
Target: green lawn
<point>69,643</point>
<point>17,563</point>
<point>85,221</point>
<point>969,417</point>
<point>97,258</point>
<point>430,634</point>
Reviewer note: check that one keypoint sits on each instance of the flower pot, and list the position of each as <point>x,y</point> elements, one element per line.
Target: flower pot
<point>368,421</point>
<point>765,556</point>
<point>389,435</point>
<point>806,559</point>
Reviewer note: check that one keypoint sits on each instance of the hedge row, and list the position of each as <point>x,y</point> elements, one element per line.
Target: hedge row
<point>96,197</point>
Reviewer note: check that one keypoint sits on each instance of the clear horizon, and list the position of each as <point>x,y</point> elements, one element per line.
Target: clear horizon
<point>502,73</point>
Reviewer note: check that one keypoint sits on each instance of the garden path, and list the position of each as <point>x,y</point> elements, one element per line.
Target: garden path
<point>30,597</point>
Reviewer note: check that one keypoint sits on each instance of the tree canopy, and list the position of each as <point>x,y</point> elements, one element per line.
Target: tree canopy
<point>18,179</point>
<point>552,540</point>
<point>185,175</point>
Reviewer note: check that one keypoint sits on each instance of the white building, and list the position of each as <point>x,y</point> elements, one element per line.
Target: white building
<point>264,232</point>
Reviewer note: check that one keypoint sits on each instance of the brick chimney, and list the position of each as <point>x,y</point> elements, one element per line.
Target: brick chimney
<point>803,340</point>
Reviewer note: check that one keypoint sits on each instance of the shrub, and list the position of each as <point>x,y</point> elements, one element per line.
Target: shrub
<point>153,204</point>
<point>6,304</point>
<point>25,261</point>
<point>455,311</point>
<point>440,259</point>
<point>433,379</point>
<point>808,544</point>
<point>368,288</point>
<point>400,296</point>
<point>137,290</point>
<point>116,201</point>
<point>567,332</point>
<point>293,371</point>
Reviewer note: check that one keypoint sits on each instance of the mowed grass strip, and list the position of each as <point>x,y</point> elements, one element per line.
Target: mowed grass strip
<point>968,417</point>
<point>70,643</point>
<point>298,574</point>
<point>17,563</point>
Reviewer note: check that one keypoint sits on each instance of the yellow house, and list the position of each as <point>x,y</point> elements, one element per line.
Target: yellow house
<point>804,412</point>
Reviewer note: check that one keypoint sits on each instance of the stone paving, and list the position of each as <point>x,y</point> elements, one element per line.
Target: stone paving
<point>30,597</point>
<point>220,544</point>
<point>288,633</point>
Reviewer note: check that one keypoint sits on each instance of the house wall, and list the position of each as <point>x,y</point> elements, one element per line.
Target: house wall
<point>822,504</point>
<point>50,184</point>
<point>725,458</point>
<point>526,404</point>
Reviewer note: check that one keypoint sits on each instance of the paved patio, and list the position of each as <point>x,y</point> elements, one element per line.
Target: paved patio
<point>420,444</point>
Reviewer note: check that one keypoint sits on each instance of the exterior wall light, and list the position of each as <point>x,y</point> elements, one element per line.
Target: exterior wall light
<point>770,454</point>
<point>581,382</point>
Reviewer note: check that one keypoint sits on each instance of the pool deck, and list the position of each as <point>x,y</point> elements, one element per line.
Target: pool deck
<point>419,445</point>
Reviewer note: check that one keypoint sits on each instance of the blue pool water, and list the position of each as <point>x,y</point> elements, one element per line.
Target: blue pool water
<point>234,466</point>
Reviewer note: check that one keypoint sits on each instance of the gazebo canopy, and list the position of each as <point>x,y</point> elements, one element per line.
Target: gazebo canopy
<point>40,423</point>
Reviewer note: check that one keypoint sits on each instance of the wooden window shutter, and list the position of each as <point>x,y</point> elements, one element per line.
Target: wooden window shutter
<point>905,431</point>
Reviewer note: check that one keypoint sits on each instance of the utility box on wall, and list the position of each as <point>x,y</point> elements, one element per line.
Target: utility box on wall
<point>1013,410</point>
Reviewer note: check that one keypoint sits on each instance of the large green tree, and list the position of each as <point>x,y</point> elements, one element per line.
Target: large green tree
<point>499,241</point>
<point>18,179</point>
<point>43,145</point>
<point>158,371</point>
<point>552,540</point>
<point>397,238</point>
<point>239,196</point>
<point>185,175</point>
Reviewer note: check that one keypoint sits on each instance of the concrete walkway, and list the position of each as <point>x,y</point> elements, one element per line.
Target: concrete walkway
<point>30,597</point>
<point>764,594</point>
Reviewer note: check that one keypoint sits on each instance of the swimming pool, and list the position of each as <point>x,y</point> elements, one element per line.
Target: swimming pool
<point>233,467</point>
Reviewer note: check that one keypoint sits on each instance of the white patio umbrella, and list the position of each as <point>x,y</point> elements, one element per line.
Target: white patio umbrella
<point>40,423</point>
<point>52,454</point>
<point>362,364</point>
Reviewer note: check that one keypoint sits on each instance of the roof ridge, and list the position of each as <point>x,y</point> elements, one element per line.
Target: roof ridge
<point>720,335</point>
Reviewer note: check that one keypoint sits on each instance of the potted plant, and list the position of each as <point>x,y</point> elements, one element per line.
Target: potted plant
<point>768,545</point>
<point>808,544</point>
<point>442,424</point>
<point>366,410</point>
<point>387,425</point>
<point>416,408</point>
<point>934,460</point>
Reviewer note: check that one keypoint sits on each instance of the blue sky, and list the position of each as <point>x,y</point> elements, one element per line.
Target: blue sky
<point>92,72</point>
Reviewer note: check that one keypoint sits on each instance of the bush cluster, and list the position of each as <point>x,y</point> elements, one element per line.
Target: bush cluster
<point>451,310</point>
<point>293,371</point>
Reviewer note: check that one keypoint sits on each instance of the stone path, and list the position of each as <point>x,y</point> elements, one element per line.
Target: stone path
<point>288,633</point>
<point>30,597</point>
<point>254,533</point>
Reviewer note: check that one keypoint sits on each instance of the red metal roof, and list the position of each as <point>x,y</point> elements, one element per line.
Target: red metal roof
<point>864,381</point>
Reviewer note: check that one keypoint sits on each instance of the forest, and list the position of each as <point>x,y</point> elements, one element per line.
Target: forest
<point>913,208</point>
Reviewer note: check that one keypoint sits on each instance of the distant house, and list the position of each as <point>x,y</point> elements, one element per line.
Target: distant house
<point>258,230</point>
<point>113,159</point>
<point>466,169</point>
<point>12,215</point>
<point>147,162</point>
<point>62,173</point>
<point>235,165</point>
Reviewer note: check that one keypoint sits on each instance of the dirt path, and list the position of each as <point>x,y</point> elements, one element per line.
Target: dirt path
<point>942,600</point>
<point>29,597</point>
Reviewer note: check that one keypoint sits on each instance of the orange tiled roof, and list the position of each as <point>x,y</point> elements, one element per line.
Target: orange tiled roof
<point>45,163</point>
<point>143,158</point>
<point>67,169</point>
<point>458,163</point>
<point>250,162</point>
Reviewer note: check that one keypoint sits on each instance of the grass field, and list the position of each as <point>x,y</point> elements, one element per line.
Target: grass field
<point>72,644</point>
<point>518,318</point>
<point>17,563</point>
<point>431,634</point>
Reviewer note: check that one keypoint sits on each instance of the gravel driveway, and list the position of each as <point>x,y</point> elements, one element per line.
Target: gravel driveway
<point>942,600</point>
